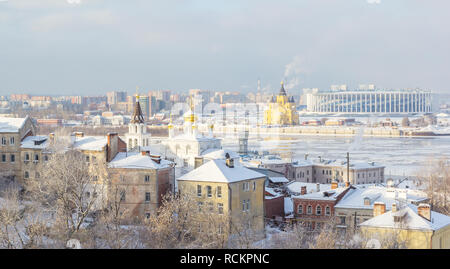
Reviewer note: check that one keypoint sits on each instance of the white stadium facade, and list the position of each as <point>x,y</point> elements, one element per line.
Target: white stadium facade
<point>366,101</point>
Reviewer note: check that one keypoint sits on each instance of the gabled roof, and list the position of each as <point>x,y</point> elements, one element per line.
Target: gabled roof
<point>411,220</point>
<point>11,125</point>
<point>218,171</point>
<point>94,143</point>
<point>134,160</point>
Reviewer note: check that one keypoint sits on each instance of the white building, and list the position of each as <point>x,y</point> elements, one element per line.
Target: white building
<point>369,100</point>
<point>185,147</point>
<point>137,136</point>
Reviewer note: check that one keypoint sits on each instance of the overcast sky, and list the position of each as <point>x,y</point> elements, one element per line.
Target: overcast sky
<point>93,46</point>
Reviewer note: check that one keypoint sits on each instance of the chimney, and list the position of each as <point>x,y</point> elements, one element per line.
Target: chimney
<point>394,207</point>
<point>317,187</point>
<point>51,136</point>
<point>303,190</point>
<point>229,161</point>
<point>347,184</point>
<point>198,162</point>
<point>320,158</point>
<point>334,184</point>
<point>424,211</point>
<point>379,208</point>
<point>79,134</point>
<point>113,145</point>
<point>306,156</point>
<point>145,153</point>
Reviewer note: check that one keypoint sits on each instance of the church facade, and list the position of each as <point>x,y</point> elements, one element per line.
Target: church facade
<point>281,110</point>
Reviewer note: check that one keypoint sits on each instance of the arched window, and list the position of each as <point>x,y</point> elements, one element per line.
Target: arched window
<point>135,128</point>
<point>318,210</point>
<point>135,142</point>
<point>27,157</point>
<point>300,209</point>
<point>327,211</point>
<point>309,210</point>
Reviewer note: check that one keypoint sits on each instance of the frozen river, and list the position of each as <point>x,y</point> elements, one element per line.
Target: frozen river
<point>400,155</point>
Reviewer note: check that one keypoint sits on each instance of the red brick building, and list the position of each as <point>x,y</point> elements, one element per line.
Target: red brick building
<point>316,209</point>
<point>273,205</point>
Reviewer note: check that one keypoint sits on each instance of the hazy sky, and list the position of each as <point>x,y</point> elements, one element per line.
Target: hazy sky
<point>94,46</point>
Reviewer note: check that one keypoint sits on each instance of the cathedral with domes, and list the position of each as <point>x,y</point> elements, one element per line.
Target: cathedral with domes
<point>281,110</point>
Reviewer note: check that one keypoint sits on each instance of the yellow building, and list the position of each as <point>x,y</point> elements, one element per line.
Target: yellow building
<point>281,111</point>
<point>228,189</point>
<point>415,227</point>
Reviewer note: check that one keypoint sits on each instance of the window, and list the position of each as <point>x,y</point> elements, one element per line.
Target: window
<point>87,159</point>
<point>309,210</point>
<point>147,215</point>
<point>147,197</point>
<point>199,190</point>
<point>220,208</point>
<point>45,158</point>
<point>27,157</point>
<point>13,158</point>
<point>342,220</point>
<point>323,172</point>
<point>248,205</point>
<point>327,211</point>
<point>300,209</point>
<point>3,141</point>
<point>11,140</point>
<point>147,178</point>
<point>36,157</point>
<point>200,205</point>
<point>318,210</point>
<point>3,158</point>
<point>243,205</point>
<point>209,191</point>
<point>245,186</point>
<point>37,175</point>
<point>219,191</point>
<point>26,175</point>
<point>254,185</point>
<point>122,196</point>
<point>211,207</point>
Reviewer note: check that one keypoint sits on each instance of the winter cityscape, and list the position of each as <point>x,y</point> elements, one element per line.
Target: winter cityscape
<point>119,131</point>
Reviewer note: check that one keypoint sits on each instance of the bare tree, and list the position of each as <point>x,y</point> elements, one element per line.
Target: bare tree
<point>70,189</point>
<point>21,224</point>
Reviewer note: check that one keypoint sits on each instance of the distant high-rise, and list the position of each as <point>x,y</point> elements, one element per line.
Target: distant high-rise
<point>115,97</point>
<point>144,103</point>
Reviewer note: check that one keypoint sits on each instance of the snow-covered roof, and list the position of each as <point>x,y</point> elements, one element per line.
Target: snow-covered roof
<point>411,220</point>
<point>95,143</point>
<point>322,195</point>
<point>11,125</point>
<point>216,154</point>
<point>198,137</point>
<point>272,192</point>
<point>302,163</point>
<point>135,160</point>
<point>355,197</point>
<point>35,142</point>
<point>296,187</point>
<point>288,205</point>
<point>218,171</point>
<point>278,179</point>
